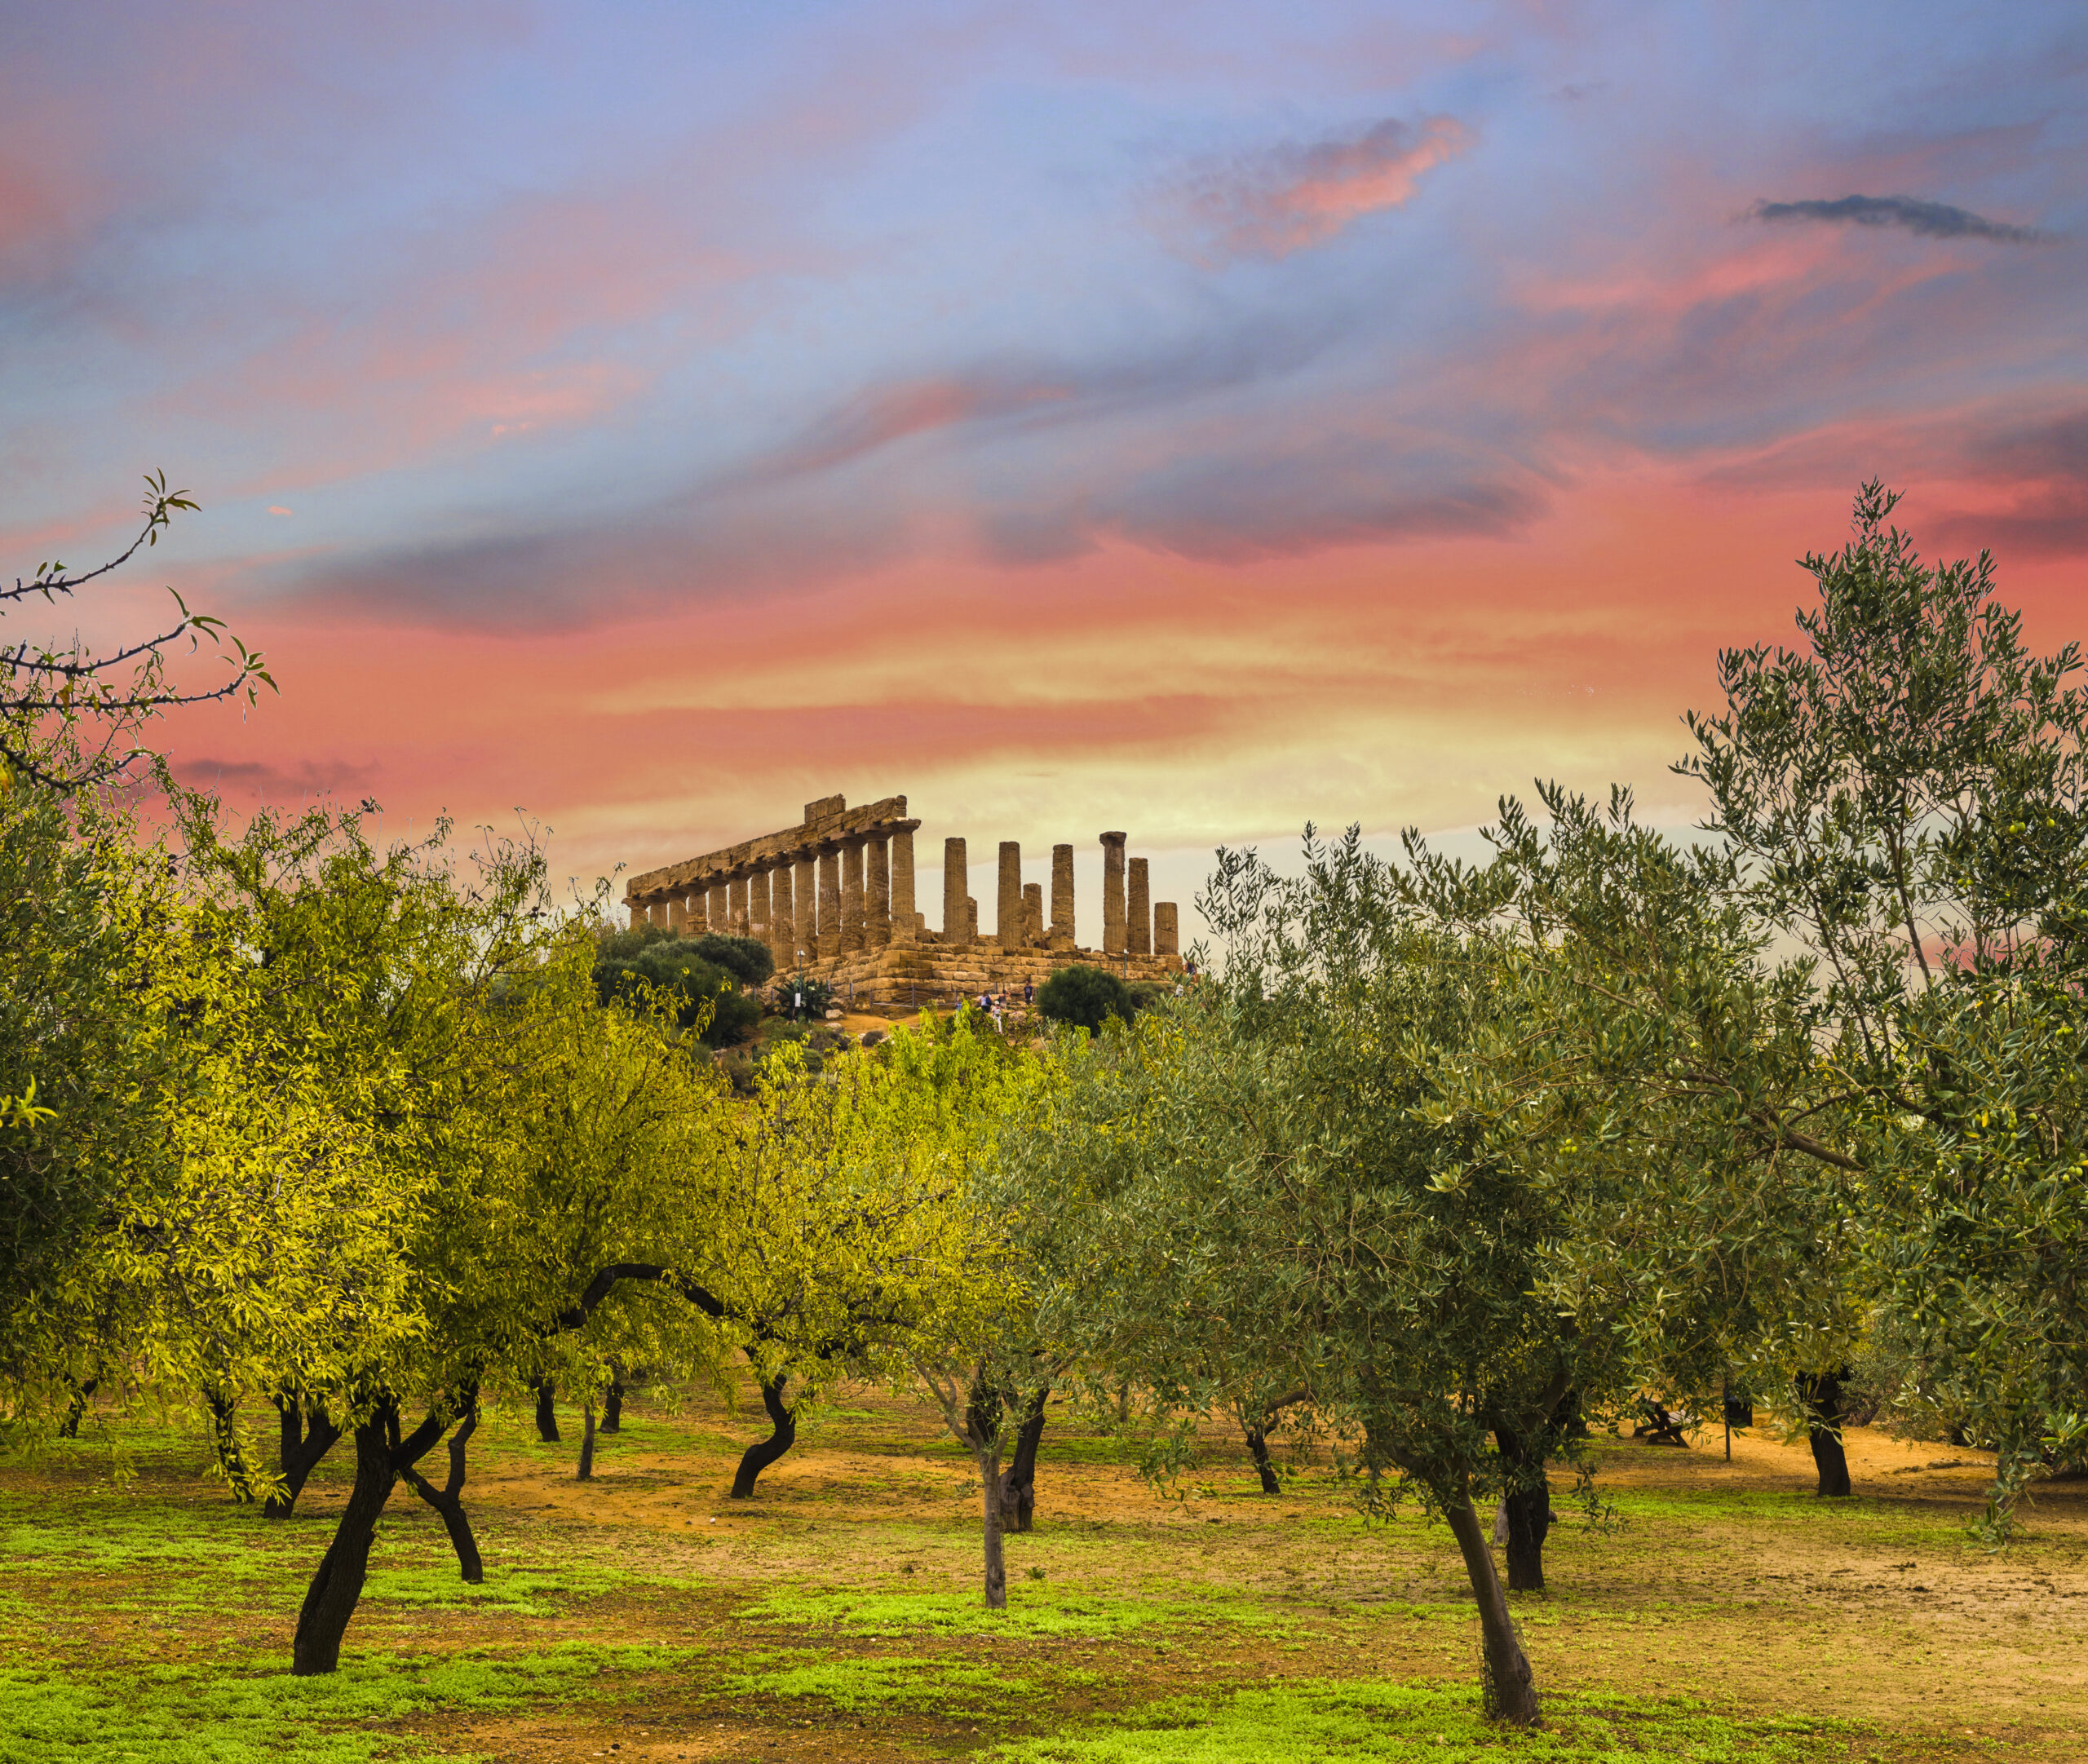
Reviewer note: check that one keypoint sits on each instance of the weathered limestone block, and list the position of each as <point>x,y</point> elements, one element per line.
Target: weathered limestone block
<point>1138,932</point>
<point>830,903</point>
<point>906,923</point>
<point>852,896</point>
<point>957,877</point>
<point>877,910</point>
<point>1062,897</point>
<point>1112,894</point>
<point>1166,929</point>
<point>1008,925</point>
<point>720,911</point>
<point>735,905</point>
<point>1033,914</point>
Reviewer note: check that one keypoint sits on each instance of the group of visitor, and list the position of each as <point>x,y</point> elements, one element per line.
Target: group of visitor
<point>997,1004</point>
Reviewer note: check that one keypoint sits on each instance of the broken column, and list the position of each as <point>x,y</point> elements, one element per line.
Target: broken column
<point>1032,915</point>
<point>955,879</point>
<point>903,922</point>
<point>1112,894</point>
<point>1062,897</point>
<point>1008,906</point>
<point>830,902</point>
<point>1137,938</point>
<point>852,895</point>
<point>1166,929</point>
<point>876,908</point>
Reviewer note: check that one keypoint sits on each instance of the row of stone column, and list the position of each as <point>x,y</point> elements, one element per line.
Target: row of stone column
<point>1132,923</point>
<point>843,895</point>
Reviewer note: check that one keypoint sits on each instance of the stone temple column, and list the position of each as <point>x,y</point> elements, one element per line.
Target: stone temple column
<point>1166,929</point>
<point>1112,894</point>
<point>677,911</point>
<point>830,902</point>
<point>852,895</point>
<point>641,914</point>
<point>1032,915</point>
<point>804,891</point>
<point>783,927</point>
<point>759,902</point>
<point>956,876</point>
<point>877,906</point>
<point>698,921</point>
<point>1007,908</point>
<point>735,905</point>
<point>902,881</point>
<point>1062,897</point>
<point>719,912</point>
<point>1137,938</point>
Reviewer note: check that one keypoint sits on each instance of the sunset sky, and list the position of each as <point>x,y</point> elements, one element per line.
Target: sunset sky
<point>1193,419</point>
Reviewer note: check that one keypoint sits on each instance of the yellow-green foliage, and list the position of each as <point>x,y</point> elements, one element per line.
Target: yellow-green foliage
<point>401,1137</point>
<point>852,1232</point>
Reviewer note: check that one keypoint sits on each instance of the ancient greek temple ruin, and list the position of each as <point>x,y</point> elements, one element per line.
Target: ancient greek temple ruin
<point>834,897</point>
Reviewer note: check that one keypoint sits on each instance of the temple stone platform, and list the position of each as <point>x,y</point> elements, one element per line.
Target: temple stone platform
<point>834,898</point>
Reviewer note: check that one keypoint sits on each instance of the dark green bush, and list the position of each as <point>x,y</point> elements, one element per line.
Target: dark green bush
<point>1086,998</point>
<point>669,967</point>
<point>746,959</point>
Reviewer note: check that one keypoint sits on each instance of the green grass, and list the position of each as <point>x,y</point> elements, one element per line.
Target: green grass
<point>148,1622</point>
<point>1407,1724</point>
<point>1032,1610</point>
<point>224,1715</point>
<point>957,1687</point>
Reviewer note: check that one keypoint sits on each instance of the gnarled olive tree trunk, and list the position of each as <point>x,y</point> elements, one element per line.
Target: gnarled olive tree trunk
<point>1019,1486</point>
<point>1511,1688</point>
<point>1819,1396</point>
<point>449,1501</point>
<point>224,1438</point>
<point>308,1435</point>
<point>783,1420</point>
<point>381,1456</point>
<point>336,1588</point>
<point>1526,1507</point>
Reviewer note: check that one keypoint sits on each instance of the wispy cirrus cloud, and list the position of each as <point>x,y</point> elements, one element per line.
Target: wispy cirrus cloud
<point>1931,220</point>
<point>1289,197</point>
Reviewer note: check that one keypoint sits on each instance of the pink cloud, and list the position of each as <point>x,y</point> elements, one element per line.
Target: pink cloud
<point>1293,196</point>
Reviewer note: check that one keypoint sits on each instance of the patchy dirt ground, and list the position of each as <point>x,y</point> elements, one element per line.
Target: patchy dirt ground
<point>834,1616</point>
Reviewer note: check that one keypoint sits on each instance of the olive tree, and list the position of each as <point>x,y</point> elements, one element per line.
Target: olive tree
<point>1335,1171</point>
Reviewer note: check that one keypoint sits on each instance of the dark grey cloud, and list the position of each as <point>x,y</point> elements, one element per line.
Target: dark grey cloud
<point>1932,220</point>
<point>2043,463</point>
<point>277,783</point>
<point>1278,501</point>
